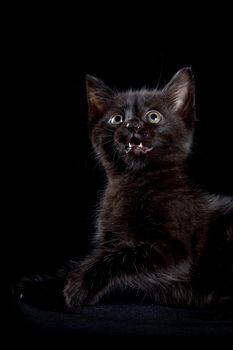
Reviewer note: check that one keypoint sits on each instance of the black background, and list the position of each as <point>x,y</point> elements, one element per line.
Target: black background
<point>53,177</point>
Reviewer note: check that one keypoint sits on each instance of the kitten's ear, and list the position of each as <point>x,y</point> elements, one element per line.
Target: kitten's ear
<point>99,96</point>
<point>180,92</point>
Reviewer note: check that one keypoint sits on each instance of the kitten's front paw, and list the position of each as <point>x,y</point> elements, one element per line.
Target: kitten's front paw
<point>41,290</point>
<point>27,288</point>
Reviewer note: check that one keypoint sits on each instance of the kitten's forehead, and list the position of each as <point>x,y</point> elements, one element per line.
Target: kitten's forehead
<point>135,101</point>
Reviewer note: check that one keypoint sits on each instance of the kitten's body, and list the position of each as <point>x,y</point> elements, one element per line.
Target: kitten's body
<point>156,233</point>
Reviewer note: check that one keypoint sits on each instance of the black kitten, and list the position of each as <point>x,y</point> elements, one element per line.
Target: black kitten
<point>156,234</point>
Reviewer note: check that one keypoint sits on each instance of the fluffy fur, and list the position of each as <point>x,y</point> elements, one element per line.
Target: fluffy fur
<point>157,235</point>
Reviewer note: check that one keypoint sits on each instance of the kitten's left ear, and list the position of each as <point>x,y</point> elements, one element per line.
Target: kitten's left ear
<point>180,92</point>
<point>99,96</point>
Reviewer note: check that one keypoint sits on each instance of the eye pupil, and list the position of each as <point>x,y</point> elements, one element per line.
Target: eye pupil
<point>153,116</point>
<point>117,118</point>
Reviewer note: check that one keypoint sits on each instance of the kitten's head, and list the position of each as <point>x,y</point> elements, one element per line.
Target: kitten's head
<point>133,129</point>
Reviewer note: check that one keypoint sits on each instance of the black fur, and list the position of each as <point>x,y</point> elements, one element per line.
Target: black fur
<point>157,235</point>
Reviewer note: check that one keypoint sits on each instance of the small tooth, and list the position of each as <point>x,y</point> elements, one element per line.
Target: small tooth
<point>130,145</point>
<point>140,145</point>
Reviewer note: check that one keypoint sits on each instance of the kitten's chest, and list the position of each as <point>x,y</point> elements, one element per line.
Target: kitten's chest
<point>138,211</point>
<point>150,212</point>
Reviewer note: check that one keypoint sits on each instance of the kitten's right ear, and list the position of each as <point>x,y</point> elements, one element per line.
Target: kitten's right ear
<point>180,92</point>
<point>99,96</point>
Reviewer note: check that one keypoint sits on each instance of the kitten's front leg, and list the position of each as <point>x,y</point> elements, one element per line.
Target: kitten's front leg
<point>86,281</point>
<point>92,278</point>
<point>99,272</point>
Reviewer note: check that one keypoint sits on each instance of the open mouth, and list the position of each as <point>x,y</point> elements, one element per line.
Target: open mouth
<point>137,148</point>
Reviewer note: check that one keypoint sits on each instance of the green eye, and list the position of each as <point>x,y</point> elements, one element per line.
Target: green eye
<point>116,119</point>
<point>153,117</point>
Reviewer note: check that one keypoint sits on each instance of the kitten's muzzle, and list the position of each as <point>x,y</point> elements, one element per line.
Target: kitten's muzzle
<point>137,137</point>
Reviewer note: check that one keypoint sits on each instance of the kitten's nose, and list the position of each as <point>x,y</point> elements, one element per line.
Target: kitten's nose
<point>134,125</point>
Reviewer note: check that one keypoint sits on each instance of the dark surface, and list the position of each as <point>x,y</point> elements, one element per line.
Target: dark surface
<point>121,320</point>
